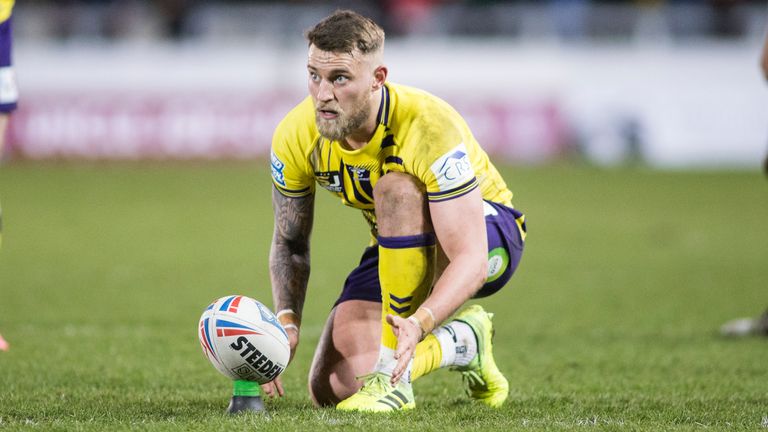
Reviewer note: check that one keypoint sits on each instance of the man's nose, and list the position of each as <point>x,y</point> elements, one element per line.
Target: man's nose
<point>325,91</point>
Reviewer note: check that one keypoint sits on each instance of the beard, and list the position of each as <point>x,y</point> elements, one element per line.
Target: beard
<point>345,123</point>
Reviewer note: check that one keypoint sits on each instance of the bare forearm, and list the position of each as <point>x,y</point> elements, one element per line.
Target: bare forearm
<point>460,228</point>
<point>455,286</point>
<point>289,254</point>
<point>289,274</point>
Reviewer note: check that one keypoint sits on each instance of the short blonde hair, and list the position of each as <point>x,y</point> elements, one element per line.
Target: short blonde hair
<point>346,31</point>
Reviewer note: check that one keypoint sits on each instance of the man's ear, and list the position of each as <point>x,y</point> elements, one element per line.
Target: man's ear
<point>379,77</point>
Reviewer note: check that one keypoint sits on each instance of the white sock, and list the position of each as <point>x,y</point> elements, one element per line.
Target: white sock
<point>387,362</point>
<point>458,343</point>
<point>446,337</point>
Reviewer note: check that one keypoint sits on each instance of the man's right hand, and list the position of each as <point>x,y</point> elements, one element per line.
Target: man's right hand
<point>275,388</point>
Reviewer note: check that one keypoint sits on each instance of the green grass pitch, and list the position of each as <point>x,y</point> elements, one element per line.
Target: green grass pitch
<point>611,321</point>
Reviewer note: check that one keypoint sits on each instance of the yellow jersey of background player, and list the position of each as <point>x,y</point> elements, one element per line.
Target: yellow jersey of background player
<point>418,134</point>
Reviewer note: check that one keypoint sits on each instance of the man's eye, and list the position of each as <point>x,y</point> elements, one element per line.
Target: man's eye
<point>341,79</point>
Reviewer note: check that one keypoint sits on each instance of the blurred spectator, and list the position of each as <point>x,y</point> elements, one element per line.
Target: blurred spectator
<point>407,17</point>
<point>570,17</point>
<point>109,19</point>
<point>567,19</point>
<point>175,16</point>
<point>116,19</point>
<point>727,21</point>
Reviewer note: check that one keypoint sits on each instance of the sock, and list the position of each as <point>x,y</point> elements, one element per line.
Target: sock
<point>464,342</point>
<point>427,358</point>
<point>386,364</point>
<point>406,272</point>
<point>453,344</point>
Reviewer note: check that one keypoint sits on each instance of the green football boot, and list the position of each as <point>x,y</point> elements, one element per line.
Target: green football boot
<point>483,380</point>
<point>378,395</point>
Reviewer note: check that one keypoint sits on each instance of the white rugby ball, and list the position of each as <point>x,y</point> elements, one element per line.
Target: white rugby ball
<point>243,339</point>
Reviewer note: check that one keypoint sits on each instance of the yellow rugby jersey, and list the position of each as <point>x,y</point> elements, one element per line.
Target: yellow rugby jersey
<point>418,134</point>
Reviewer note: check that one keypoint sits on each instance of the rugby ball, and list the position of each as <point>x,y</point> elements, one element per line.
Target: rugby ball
<point>243,339</point>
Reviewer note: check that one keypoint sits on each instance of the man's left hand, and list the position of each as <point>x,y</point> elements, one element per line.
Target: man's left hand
<point>408,335</point>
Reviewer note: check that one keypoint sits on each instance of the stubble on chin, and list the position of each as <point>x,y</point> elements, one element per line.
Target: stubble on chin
<point>343,125</point>
<point>330,129</point>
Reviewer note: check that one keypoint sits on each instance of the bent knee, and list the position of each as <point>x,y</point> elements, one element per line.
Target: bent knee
<point>396,188</point>
<point>401,205</point>
<point>328,389</point>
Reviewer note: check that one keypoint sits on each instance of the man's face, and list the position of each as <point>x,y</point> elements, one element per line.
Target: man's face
<point>341,87</point>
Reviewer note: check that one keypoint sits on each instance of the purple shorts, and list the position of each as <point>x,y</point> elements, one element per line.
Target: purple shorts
<point>505,248</point>
<point>8,92</point>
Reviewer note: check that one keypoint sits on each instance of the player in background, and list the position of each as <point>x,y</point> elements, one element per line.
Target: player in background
<point>758,325</point>
<point>764,68</point>
<point>8,92</point>
<point>443,229</point>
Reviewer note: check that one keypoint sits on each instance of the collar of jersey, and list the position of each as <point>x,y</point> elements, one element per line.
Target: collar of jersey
<point>382,117</point>
<point>372,147</point>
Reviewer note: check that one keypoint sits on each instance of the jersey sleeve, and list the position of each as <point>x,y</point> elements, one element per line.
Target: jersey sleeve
<point>451,175</point>
<point>445,166</point>
<point>292,173</point>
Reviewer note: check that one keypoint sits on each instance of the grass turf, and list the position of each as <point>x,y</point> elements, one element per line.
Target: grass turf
<point>611,321</point>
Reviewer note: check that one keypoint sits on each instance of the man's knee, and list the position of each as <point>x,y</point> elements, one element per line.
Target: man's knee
<point>401,205</point>
<point>333,377</point>
<point>322,392</point>
<point>348,348</point>
<point>398,189</point>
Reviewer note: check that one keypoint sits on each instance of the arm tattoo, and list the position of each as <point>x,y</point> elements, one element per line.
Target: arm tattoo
<point>289,254</point>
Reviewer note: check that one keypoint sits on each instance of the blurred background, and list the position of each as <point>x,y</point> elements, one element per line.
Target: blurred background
<point>671,84</point>
<point>637,252</point>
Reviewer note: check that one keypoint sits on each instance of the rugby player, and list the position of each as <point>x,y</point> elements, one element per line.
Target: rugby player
<point>757,326</point>
<point>443,229</point>
<point>8,92</point>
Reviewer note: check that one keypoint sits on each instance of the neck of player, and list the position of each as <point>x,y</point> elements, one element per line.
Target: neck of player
<point>360,137</point>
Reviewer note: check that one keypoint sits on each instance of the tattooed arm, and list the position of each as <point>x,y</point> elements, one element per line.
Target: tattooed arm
<point>289,255</point>
<point>289,267</point>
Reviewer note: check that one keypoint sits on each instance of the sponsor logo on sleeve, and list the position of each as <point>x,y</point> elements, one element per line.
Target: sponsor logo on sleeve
<point>453,169</point>
<point>277,169</point>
